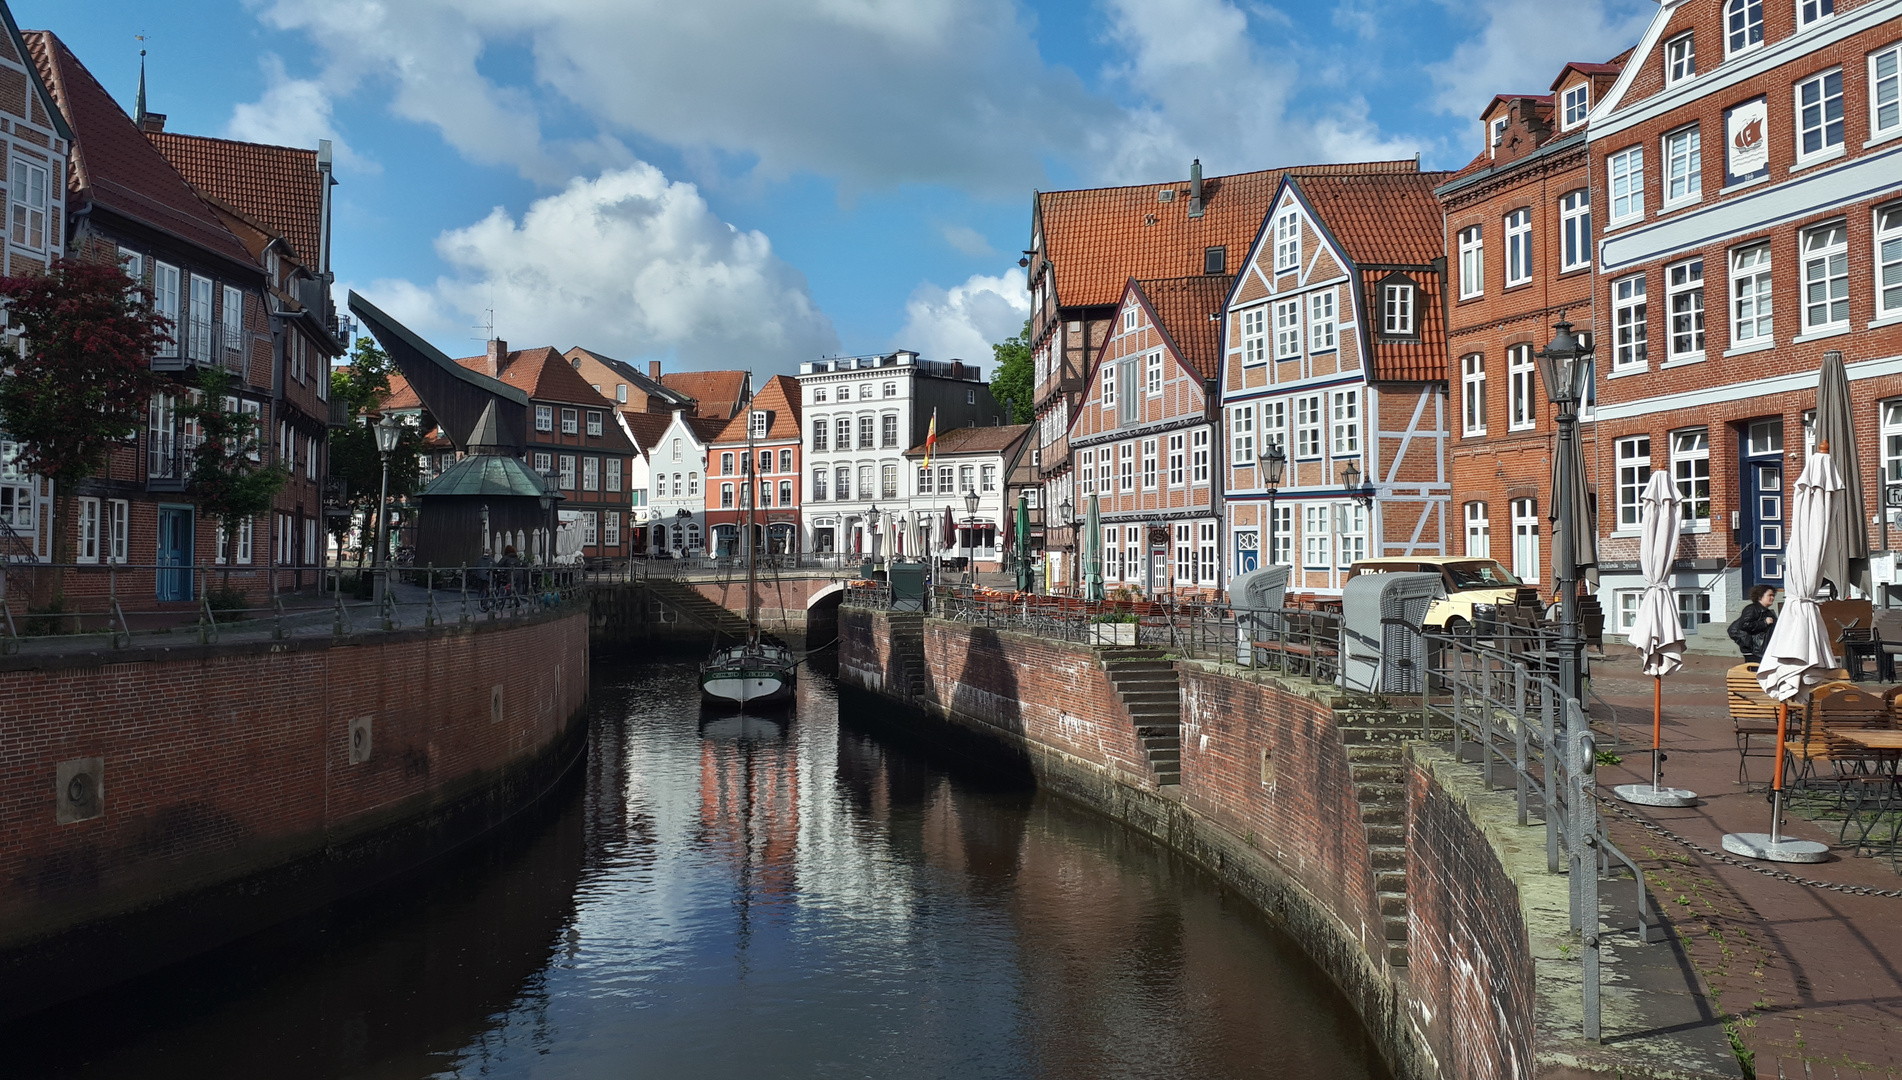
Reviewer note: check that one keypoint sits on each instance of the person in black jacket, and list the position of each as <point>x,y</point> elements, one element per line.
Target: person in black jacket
<point>1751,631</point>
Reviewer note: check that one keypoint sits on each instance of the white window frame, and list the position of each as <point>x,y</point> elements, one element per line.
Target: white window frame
<point>1126,466</point>
<point>1525,540</point>
<point>591,473</point>
<point>1472,248</point>
<point>1287,329</point>
<point>1199,457</point>
<point>1680,59</point>
<point>1178,459</point>
<point>1479,531</point>
<point>1826,273</point>
<point>1317,533</point>
<point>565,470</point>
<point>1633,465</point>
<point>1350,525</point>
<point>1811,12</point>
<point>545,421</point>
<point>1308,419</point>
<point>198,341</point>
<point>1241,436</point>
<point>570,421</point>
<point>1625,182</point>
<point>165,301</point>
<point>611,532</point>
<point>1281,552</point>
<point>1684,311</point>
<point>1149,464</point>
<point>1816,116</point>
<point>1743,26</point>
<point>232,315</point>
<point>1396,309</point>
<point>1322,321</point>
<point>86,527</point>
<point>1575,230</point>
<point>1473,393</point>
<point>1522,388</point>
<point>1344,422</point>
<point>1152,374</point>
<point>1888,260</point>
<point>614,474</point>
<point>1254,337</point>
<point>1885,92</point>
<point>1495,134</point>
<point>594,422</point>
<point>1576,105</point>
<point>1107,378</point>
<point>1751,298</point>
<point>1629,321</point>
<point>1889,414</point>
<point>118,528</point>
<point>27,195</point>
<point>1683,166</point>
<point>1690,472</point>
<point>1288,241</point>
<point>1274,425</point>
<point>1518,228</point>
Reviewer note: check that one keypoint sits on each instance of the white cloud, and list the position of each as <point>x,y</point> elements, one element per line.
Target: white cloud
<point>1516,52</point>
<point>293,112</point>
<point>967,240</point>
<point>964,321</point>
<point>630,263</point>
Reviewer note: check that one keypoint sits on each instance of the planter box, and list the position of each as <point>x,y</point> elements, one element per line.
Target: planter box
<point>1113,633</point>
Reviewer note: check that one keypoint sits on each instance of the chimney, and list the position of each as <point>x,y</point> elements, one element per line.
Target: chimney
<point>1195,188</point>
<point>498,353</point>
<point>152,121</point>
<point>653,370</point>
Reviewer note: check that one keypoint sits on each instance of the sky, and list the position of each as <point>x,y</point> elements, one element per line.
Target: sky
<point>753,183</point>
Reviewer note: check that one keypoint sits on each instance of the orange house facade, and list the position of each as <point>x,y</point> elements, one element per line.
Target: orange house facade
<point>757,458</point>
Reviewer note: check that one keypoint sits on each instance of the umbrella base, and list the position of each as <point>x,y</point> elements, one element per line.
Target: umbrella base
<point>1646,795</point>
<point>1761,846</point>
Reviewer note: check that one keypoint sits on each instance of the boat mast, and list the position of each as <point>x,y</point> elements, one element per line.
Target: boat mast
<point>752,549</point>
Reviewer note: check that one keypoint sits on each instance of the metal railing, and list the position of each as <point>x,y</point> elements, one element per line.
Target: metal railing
<point>54,607</point>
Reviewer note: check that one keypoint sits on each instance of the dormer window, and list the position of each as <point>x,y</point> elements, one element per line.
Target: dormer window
<point>756,424</point>
<point>1495,134</point>
<point>1215,260</point>
<point>1577,103</point>
<point>1396,306</point>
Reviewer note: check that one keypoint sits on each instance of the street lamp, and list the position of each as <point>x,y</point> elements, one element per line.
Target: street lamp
<point>1274,465</point>
<point>970,532</point>
<point>1565,364</point>
<point>1066,518</point>
<point>1358,491</point>
<point>872,522</point>
<point>388,431</point>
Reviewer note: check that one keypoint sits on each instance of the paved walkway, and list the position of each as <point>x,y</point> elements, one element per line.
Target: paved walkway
<point>1812,976</point>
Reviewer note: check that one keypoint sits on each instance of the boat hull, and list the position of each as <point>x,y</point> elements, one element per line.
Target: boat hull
<point>747,685</point>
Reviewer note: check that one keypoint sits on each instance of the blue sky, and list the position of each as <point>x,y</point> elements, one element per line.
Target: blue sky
<point>750,183</point>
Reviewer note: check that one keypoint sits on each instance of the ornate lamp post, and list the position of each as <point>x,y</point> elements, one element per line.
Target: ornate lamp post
<point>1361,492</point>
<point>1066,518</point>
<point>388,431</point>
<point>1565,365</point>
<point>970,533</point>
<point>1274,465</point>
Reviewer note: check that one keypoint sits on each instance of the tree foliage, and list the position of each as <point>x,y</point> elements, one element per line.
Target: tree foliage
<point>364,386</point>
<point>76,382</point>
<point>1013,376</point>
<point>231,479</point>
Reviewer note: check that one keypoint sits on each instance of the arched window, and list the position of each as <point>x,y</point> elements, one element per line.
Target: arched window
<point>1743,25</point>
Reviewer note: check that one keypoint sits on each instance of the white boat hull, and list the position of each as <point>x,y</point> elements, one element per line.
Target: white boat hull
<point>745,687</point>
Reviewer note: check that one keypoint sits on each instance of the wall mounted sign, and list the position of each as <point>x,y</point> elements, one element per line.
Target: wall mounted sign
<point>1746,142</point>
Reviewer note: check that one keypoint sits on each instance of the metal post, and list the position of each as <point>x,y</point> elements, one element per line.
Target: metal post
<point>1571,645</point>
<point>381,566</point>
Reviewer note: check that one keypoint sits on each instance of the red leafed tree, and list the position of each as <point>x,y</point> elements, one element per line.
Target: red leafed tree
<point>75,382</point>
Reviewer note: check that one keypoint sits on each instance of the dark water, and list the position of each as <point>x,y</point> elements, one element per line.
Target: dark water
<point>728,898</point>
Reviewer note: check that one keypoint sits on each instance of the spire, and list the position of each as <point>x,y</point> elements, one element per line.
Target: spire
<point>138,103</point>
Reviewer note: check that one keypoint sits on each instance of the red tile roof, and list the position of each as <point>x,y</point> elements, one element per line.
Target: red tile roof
<point>1098,238</point>
<point>717,393</point>
<point>541,372</point>
<point>1380,218</point>
<point>1422,360</point>
<point>647,427</point>
<point>402,395</point>
<point>277,186</point>
<point>780,398</point>
<point>114,166</point>
<point>999,439</point>
<point>1182,307</point>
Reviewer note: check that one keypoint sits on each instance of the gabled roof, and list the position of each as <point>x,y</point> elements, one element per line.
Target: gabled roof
<point>113,164</point>
<point>1182,307</point>
<point>645,427</point>
<point>278,186</point>
<point>780,398</point>
<point>1096,239</point>
<point>402,395</point>
<point>1379,218</point>
<point>718,393</point>
<point>1587,70</point>
<point>40,106</point>
<point>975,440</point>
<point>635,378</point>
<point>543,374</point>
<point>1421,359</point>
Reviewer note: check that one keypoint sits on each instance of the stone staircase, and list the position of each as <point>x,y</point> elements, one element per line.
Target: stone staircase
<point>695,609</point>
<point>1151,692</point>
<point>1376,759</point>
<point>908,654</point>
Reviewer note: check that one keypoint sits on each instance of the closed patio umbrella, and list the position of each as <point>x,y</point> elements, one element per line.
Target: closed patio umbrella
<point>1020,538</point>
<point>1093,544</point>
<point>948,538</point>
<point>1798,656</point>
<point>1656,632</point>
<point>1846,559</point>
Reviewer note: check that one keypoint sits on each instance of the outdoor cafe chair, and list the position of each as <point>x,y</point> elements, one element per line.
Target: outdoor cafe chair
<point>1753,715</point>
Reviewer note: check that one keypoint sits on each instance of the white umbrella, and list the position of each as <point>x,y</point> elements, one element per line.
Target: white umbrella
<point>1656,633</point>
<point>1798,655</point>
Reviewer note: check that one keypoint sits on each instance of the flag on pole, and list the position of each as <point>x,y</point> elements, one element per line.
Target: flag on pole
<point>931,438</point>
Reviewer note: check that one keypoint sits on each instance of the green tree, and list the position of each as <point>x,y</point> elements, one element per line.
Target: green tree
<point>231,479</point>
<point>75,384</point>
<point>1013,376</point>
<point>364,386</point>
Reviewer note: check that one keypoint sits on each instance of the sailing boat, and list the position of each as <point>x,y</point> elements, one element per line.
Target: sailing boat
<point>760,669</point>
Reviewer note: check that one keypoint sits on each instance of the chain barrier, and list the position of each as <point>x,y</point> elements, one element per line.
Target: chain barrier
<point>1731,860</point>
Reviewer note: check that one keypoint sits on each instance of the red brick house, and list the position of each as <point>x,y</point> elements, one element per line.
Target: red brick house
<point>1144,437</point>
<point>757,456</point>
<point>1750,209</point>
<point>1519,240</point>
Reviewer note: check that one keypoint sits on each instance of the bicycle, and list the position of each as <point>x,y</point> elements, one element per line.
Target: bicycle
<point>499,594</point>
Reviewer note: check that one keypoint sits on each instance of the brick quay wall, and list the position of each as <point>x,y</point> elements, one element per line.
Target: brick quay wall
<point>1277,797</point>
<point>155,802</point>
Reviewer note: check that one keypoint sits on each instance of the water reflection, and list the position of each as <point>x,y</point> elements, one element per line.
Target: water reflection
<point>729,896</point>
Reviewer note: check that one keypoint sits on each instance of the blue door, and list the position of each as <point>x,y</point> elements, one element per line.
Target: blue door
<point>175,549</point>
<point>1762,516</point>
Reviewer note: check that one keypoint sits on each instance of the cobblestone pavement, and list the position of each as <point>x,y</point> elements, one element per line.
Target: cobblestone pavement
<point>1811,975</point>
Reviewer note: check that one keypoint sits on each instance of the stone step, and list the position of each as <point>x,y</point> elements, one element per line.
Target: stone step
<point>1385,833</point>
<point>1383,814</point>
<point>1168,680</point>
<point>1381,753</point>
<point>1387,856</point>
<point>1368,773</point>
<point>1396,955</point>
<point>1161,742</point>
<point>1394,927</point>
<point>1133,698</point>
<point>1393,903</point>
<point>1380,793</point>
<point>1158,759</point>
<point>1371,736</point>
<point>1146,731</point>
<point>1394,881</point>
<point>1140,710</point>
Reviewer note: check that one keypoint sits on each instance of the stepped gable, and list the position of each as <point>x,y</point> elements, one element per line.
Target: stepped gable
<point>1182,307</point>
<point>1096,239</point>
<point>719,394</point>
<point>279,187</point>
<point>114,166</point>
<point>1382,221</point>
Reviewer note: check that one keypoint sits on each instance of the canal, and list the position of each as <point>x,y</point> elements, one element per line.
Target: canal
<point>747,898</point>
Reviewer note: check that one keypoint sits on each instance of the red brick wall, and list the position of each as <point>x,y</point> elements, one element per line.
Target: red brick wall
<point>227,760</point>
